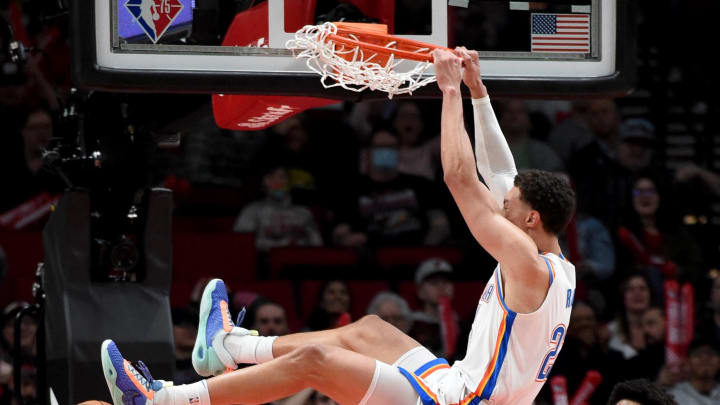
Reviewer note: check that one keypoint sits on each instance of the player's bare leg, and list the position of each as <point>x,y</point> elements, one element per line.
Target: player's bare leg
<point>370,336</point>
<point>345,376</point>
<point>220,345</point>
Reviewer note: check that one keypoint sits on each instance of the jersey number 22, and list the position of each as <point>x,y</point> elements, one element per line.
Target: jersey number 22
<point>556,338</point>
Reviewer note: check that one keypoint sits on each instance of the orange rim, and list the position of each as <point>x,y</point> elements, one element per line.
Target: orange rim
<point>370,37</point>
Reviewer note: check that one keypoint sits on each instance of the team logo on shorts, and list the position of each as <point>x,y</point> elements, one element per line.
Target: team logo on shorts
<point>488,293</point>
<point>154,16</point>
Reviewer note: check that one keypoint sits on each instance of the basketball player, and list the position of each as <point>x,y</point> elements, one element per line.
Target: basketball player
<point>519,326</point>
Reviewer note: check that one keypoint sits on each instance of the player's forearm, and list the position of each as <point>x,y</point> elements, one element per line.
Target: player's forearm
<point>455,148</point>
<point>494,159</point>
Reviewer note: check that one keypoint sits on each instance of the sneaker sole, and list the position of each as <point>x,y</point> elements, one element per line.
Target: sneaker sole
<point>204,359</point>
<point>110,374</point>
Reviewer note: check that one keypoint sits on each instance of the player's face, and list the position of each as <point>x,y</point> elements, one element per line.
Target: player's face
<point>515,209</point>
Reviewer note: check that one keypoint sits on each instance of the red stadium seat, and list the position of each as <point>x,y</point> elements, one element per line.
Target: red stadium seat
<point>283,258</point>
<point>412,256</point>
<point>361,293</point>
<point>230,256</point>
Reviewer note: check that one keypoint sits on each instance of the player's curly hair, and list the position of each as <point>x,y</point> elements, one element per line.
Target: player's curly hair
<point>548,194</point>
<point>642,391</point>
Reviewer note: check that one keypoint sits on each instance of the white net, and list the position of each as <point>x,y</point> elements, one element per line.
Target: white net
<point>354,69</point>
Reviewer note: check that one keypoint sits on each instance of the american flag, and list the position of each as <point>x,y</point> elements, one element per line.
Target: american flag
<point>568,33</point>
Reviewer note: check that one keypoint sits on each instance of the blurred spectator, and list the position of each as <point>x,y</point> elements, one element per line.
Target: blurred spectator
<point>637,140</point>
<point>21,168</point>
<point>3,264</point>
<point>710,322</point>
<point>584,350</point>
<point>184,332</point>
<point>267,317</point>
<point>595,248</point>
<point>601,183</point>
<point>386,207</point>
<point>318,398</point>
<point>288,145</point>
<point>275,220</point>
<point>528,153</point>
<point>393,309</point>
<point>28,389</point>
<point>641,392</point>
<point>573,133</point>
<point>653,238</point>
<point>416,156</point>
<point>334,300</point>
<point>433,282</point>
<point>626,332</point>
<point>702,387</point>
<point>691,172</point>
<point>650,361</point>
<point>28,329</point>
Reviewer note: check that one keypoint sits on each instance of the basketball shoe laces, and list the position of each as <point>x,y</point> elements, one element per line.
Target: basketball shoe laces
<point>145,378</point>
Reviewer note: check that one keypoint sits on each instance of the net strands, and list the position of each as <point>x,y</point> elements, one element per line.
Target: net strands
<point>358,57</point>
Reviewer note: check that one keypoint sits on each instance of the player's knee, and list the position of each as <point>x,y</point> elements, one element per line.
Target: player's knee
<point>309,356</point>
<point>364,332</point>
<point>306,362</point>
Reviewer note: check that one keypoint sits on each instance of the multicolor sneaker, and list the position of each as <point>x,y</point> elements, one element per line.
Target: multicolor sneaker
<point>128,385</point>
<point>209,355</point>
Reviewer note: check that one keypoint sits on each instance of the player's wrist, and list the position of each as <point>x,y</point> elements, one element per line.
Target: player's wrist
<point>451,90</point>
<point>479,91</point>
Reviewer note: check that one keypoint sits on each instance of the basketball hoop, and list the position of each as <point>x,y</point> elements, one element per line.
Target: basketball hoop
<point>363,56</point>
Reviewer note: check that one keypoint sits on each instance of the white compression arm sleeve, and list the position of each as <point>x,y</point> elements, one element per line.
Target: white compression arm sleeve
<point>492,153</point>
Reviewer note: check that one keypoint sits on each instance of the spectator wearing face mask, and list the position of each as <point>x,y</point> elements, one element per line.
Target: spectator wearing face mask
<point>386,207</point>
<point>275,220</point>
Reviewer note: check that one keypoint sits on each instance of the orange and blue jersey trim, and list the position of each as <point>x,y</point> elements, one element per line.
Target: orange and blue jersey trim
<point>551,269</point>
<point>416,379</point>
<point>430,367</point>
<point>492,373</point>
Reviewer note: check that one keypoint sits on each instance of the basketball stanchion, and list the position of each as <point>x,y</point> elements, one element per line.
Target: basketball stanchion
<point>358,56</point>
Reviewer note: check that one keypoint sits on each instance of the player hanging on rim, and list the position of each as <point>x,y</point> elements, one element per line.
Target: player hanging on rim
<point>519,325</point>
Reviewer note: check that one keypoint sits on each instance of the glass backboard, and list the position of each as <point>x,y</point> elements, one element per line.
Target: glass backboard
<point>552,48</point>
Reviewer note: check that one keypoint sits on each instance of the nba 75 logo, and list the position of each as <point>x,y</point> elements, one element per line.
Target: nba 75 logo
<point>154,16</point>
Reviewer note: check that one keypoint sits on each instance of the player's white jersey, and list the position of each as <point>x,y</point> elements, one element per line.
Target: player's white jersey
<point>509,355</point>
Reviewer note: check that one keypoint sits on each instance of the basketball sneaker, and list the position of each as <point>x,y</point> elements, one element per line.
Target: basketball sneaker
<point>128,385</point>
<point>209,355</point>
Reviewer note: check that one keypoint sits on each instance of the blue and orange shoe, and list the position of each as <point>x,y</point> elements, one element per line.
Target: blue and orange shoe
<point>128,385</point>
<point>209,355</point>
